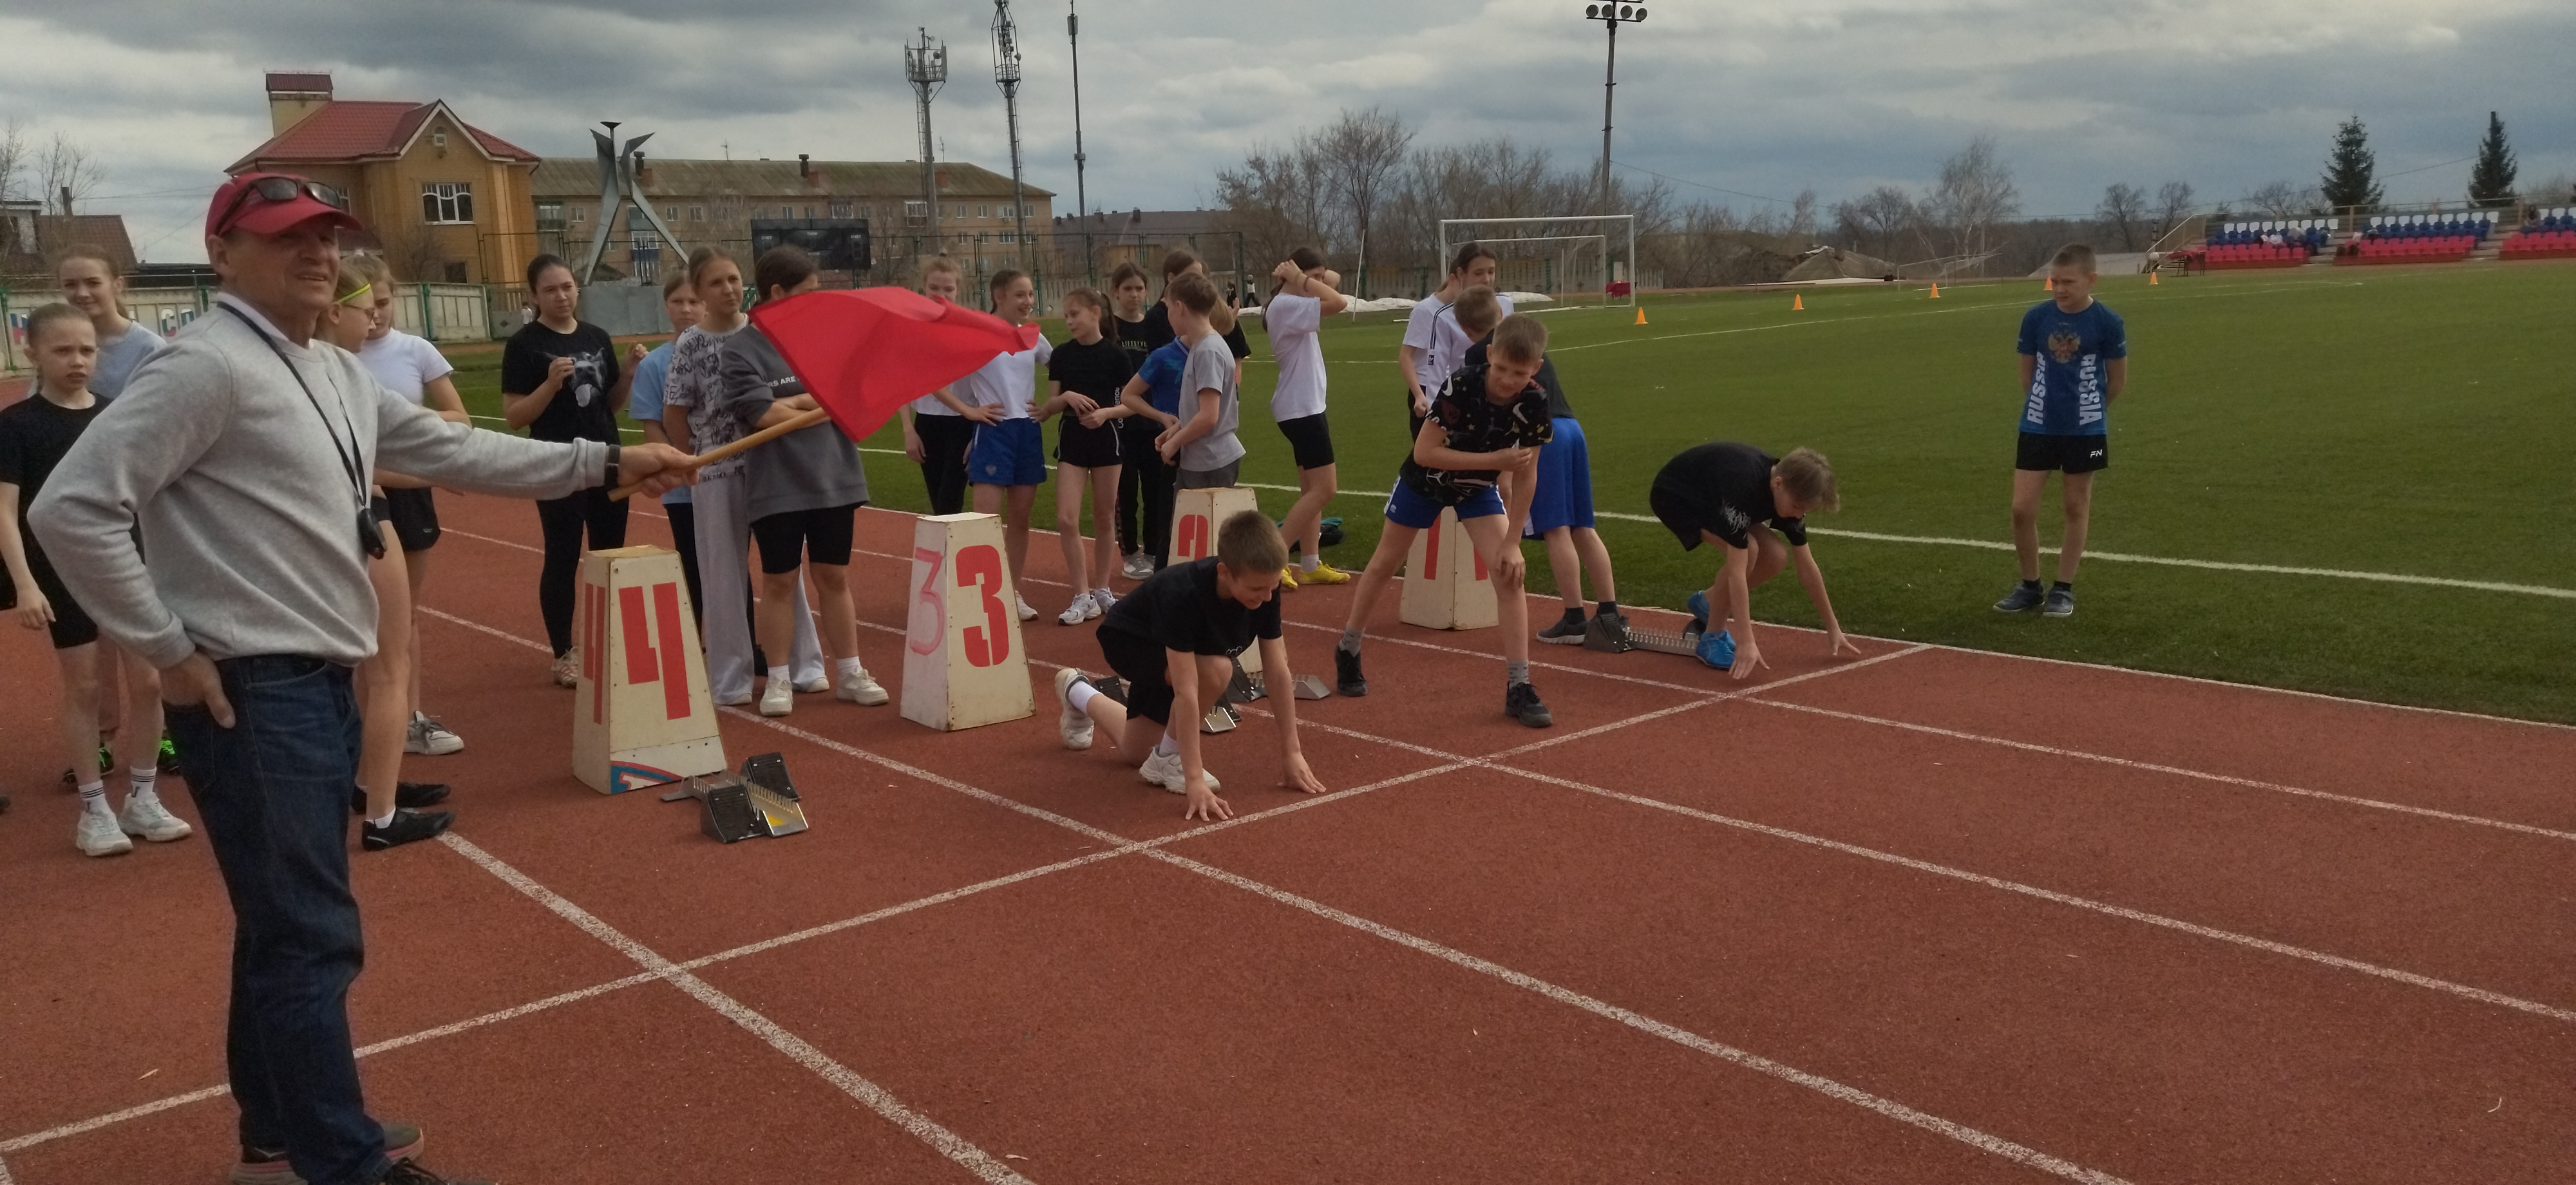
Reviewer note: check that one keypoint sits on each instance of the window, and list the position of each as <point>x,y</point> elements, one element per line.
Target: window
<point>455,272</point>
<point>1010,236</point>
<point>697,213</point>
<point>550,215</point>
<point>670,213</point>
<point>438,139</point>
<point>980,211</point>
<point>841,210</point>
<point>916,213</point>
<point>724,213</point>
<point>580,214</point>
<point>446,202</point>
<point>809,211</point>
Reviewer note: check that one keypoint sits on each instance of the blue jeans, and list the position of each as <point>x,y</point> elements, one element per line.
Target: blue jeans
<point>273,791</point>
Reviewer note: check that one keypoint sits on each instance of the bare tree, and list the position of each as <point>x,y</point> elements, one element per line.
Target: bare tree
<point>1882,222</point>
<point>13,160</point>
<point>2123,213</point>
<point>1974,195</point>
<point>1275,198</point>
<point>68,169</point>
<point>2173,204</point>
<point>1361,155</point>
<point>2283,199</point>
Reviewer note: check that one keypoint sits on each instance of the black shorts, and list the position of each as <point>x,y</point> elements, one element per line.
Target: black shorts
<point>2073,454</point>
<point>791,537</point>
<point>71,625</point>
<point>1679,516</point>
<point>413,514</point>
<point>1310,439</point>
<point>1090,448</point>
<point>1140,662</point>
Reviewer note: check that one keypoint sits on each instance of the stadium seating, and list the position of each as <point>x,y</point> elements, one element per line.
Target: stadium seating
<point>2419,238</point>
<point>2547,234</point>
<point>2278,242</point>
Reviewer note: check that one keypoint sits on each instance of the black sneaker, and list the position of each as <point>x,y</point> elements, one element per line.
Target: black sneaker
<point>2024,597</point>
<point>1565,631</point>
<point>1347,677</point>
<point>267,1166</point>
<point>409,1172</point>
<point>409,826</point>
<point>1520,702</point>
<point>2061,603</point>
<point>413,795</point>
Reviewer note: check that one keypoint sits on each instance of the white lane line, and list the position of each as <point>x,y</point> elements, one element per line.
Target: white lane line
<point>32,1139</point>
<point>2178,771</point>
<point>869,1094</point>
<point>1840,1092</point>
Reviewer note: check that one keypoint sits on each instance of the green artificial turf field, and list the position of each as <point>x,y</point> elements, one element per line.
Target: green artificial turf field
<point>2412,421</point>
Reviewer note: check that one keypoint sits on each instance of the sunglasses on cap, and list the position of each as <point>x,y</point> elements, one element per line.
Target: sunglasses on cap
<point>277,191</point>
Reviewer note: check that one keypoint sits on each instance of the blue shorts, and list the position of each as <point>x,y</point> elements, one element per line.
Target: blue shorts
<point>1563,497</point>
<point>1407,507</point>
<point>1010,453</point>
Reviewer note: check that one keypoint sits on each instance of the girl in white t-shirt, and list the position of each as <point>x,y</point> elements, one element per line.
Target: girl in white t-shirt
<point>1294,317</point>
<point>1433,344</point>
<point>414,369</point>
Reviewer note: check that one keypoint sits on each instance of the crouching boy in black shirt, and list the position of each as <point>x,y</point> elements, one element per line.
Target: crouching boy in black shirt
<point>1726,493</point>
<point>1173,641</point>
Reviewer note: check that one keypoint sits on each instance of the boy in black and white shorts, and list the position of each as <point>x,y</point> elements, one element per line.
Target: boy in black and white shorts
<point>1173,641</point>
<point>1294,317</point>
<point>1084,376</point>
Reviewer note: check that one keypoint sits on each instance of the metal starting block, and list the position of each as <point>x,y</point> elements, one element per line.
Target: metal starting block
<point>1602,636</point>
<point>759,801</point>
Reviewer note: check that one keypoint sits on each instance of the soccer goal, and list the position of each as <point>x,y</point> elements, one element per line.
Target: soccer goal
<point>1574,258</point>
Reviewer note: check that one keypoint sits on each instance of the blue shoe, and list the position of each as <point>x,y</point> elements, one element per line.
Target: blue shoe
<point>1717,649</point>
<point>1698,606</point>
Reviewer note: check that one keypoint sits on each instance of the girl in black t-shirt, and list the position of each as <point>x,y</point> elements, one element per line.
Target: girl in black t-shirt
<point>560,380</point>
<point>1084,376</point>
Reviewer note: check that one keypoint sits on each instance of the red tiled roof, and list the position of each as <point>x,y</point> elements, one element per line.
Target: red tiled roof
<point>360,129</point>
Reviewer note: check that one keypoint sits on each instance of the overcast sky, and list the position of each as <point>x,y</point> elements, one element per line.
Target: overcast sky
<point>1763,97</point>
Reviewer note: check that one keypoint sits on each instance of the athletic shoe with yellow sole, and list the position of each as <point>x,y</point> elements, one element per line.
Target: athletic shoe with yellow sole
<point>1288,578</point>
<point>1324,574</point>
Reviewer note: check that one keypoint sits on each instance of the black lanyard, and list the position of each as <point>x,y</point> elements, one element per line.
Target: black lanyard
<point>352,465</point>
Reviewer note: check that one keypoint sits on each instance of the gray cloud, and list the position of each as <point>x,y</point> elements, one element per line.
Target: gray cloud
<point>1765,97</point>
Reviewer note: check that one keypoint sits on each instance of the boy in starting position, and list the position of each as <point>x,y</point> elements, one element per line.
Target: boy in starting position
<point>1173,642</point>
<point>2064,420</point>
<point>35,435</point>
<point>1725,493</point>
<point>1484,432</point>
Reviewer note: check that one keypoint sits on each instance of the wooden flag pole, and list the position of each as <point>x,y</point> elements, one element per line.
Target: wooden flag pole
<point>720,452</point>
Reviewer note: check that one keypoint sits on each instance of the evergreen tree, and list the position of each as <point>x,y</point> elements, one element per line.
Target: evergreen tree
<point>2350,185</point>
<point>2491,182</point>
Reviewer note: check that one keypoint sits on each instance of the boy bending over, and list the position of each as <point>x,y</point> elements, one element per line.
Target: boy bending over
<point>1173,641</point>
<point>1725,493</point>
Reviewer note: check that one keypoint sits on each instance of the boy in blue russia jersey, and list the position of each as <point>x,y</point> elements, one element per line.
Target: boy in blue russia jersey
<point>2074,362</point>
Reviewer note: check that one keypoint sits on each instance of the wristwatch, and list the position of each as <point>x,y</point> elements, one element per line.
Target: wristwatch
<point>612,481</point>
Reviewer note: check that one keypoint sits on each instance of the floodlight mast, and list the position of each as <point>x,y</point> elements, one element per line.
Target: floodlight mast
<point>1611,17</point>
<point>925,62</point>
<point>1006,74</point>
<point>1081,200</point>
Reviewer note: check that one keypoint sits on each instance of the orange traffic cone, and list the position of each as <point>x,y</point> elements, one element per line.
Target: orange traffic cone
<point>2048,286</point>
<point>1641,314</point>
<point>1797,303</point>
<point>2151,279</point>
<point>1936,292</point>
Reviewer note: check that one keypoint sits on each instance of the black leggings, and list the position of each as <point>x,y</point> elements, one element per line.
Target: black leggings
<point>562,520</point>
<point>684,538</point>
<point>1145,491</point>
<point>943,459</point>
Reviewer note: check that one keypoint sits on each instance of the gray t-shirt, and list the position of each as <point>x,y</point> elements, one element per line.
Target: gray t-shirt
<point>694,384</point>
<point>1211,366</point>
<point>808,469</point>
<point>119,355</point>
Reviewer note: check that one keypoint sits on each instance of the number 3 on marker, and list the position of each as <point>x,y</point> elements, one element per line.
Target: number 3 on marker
<point>930,610</point>
<point>990,643</point>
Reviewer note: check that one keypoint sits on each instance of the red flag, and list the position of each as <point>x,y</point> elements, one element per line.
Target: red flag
<point>865,352</point>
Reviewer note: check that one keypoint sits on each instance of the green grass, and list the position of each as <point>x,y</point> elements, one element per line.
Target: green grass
<point>2392,420</point>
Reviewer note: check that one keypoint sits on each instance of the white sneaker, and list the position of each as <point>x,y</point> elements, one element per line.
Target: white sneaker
<point>1026,613</point>
<point>146,817</point>
<point>1165,770</point>
<point>98,834</point>
<point>777,698</point>
<point>816,685</point>
<point>1104,598</point>
<point>861,688</point>
<point>430,737</point>
<point>1074,725</point>
<point>734,701</point>
<point>1081,610</point>
<point>1137,566</point>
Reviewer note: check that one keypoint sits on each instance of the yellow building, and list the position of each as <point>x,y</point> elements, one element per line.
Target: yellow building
<point>443,200</point>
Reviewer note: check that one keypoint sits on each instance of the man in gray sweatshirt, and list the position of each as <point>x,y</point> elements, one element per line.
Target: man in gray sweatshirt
<point>245,452</point>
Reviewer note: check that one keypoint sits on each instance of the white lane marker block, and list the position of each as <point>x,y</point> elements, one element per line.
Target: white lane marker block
<point>641,713</point>
<point>963,663</point>
<point>1446,584</point>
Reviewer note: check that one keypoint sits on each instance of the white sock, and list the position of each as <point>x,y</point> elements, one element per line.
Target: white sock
<point>846,667</point>
<point>387,821</point>
<point>138,784</point>
<point>1311,561</point>
<point>1169,746</point>
<point>94,795</point>
<point>1078,696</point>
<point>778,675</point>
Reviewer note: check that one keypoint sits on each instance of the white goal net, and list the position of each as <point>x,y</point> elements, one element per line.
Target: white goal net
<point>1574,259</point>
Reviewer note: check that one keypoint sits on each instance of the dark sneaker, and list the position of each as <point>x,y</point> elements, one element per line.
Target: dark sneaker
<point>409,826</point>
<point>1347,677</point>
<point>409,1172</point>
<point>2061,603</point>
<point>2022,599</point>
<point>413,795</point>
<point>1565,631</point>
<point>1520,702</point>
<point>168,760</point>
<point>267,1166</point>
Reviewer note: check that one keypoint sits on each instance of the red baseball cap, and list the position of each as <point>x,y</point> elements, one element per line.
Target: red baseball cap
<point>268,203</point>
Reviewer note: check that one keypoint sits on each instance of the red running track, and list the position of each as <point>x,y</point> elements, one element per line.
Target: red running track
<point>1928,916</point>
